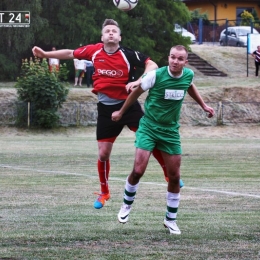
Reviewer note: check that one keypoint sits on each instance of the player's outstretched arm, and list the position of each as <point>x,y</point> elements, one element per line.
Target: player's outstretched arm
<point>116,116</point>
<point>194,93</point>
<point>64,54</point>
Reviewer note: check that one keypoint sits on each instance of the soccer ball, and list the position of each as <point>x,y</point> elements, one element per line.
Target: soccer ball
<point>125,5</point>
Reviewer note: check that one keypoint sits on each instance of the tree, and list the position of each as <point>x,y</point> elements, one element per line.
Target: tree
<point>256,18</point>
<point>196,15</point>
<point>246,18</point>
<point>149,27</point>
<point>15,43</point>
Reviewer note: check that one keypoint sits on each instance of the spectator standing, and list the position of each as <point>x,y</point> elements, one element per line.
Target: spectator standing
<point>80,69</point>
<point>54,64</point>
<point>256,55</point>
<point>89,72</point>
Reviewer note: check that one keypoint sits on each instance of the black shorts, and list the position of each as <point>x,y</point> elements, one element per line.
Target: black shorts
<point>106,128</point>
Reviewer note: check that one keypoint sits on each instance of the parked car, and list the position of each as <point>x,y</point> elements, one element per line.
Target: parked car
<point>184,32</point>
<point>235,36</point>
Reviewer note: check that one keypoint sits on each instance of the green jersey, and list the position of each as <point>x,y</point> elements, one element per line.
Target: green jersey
<point>166,94</point>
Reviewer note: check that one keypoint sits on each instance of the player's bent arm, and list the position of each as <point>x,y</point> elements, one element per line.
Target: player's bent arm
<point>129,101</point>
<point>64,54</point>
<point>149,66</point>
<point>194,93</point>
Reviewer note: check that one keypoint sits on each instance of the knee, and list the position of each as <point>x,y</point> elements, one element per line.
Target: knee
<point>174,178</point>
<point>136,175</point>
<point>104,156</point>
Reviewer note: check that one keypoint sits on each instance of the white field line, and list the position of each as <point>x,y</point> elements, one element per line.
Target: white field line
<point>123,180</point>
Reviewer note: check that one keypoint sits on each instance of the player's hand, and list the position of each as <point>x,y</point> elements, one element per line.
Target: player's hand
<point>38,52</point>
<point>131,85</point>
<point>210,111</point>
<point>116,116</point>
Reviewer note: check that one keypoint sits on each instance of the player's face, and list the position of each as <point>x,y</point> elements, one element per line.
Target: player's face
<point>111,34</point>
<point>177,60</point>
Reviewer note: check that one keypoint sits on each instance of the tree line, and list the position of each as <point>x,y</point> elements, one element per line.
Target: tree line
<point>67,24</point>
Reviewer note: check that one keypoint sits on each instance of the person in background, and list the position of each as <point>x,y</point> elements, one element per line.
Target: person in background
<point>113,78</point>
<point>159,128</point>
<point>80,69</point>
<point>54,64</point>
<point>89,72</point>
<point>256,55</point>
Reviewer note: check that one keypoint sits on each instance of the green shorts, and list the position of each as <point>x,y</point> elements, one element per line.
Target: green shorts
<point>165,138</point>
<point>79,74</point>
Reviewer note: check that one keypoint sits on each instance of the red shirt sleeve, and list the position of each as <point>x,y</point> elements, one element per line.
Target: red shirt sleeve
<point>86,52</point>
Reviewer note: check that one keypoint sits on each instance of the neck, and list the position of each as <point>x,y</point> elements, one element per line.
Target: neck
<point>111,48</point>
<point>176,73</point>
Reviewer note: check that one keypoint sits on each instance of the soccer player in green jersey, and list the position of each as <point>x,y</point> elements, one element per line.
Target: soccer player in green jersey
<point>159,127</point>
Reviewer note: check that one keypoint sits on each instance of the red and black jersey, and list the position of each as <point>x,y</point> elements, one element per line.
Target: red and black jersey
<point>257,56</point>
<point>112,70</point>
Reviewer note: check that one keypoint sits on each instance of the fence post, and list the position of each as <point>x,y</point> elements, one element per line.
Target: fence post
<point>226,36</point>
<point>220,114</point>
<point>200,30</point>
<point>78,116</point>
<point>28,113</point>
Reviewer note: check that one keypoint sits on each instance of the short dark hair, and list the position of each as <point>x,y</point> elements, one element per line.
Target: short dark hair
<point>180,48</point>
<point>110,22</point>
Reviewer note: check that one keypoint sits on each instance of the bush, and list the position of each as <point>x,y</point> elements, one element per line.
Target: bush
<point>246,18</point>
<point>45,90</point>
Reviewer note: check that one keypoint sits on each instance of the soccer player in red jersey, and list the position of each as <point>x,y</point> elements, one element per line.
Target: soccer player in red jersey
<point>114,68</point>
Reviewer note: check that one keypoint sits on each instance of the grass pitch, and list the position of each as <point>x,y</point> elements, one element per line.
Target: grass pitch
<point>47,183</point>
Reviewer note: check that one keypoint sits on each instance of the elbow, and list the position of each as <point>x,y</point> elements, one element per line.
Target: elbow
<point>155,66</point>
<point>152,64</point>
<point>71,54</point>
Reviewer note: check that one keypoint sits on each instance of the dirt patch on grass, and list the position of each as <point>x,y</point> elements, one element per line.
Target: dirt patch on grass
<point>75,94</point>
<point>81,95</point>
<point>230,94</point>
<point>8,94</point>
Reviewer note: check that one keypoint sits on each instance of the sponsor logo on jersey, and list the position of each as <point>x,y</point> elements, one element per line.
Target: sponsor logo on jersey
<point>110,73</point>
<point>174,94</point>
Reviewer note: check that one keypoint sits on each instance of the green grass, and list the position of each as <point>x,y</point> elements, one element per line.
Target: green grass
<point>47,183</point>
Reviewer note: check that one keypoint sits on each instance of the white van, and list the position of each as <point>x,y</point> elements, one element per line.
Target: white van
<point>235,36</point>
